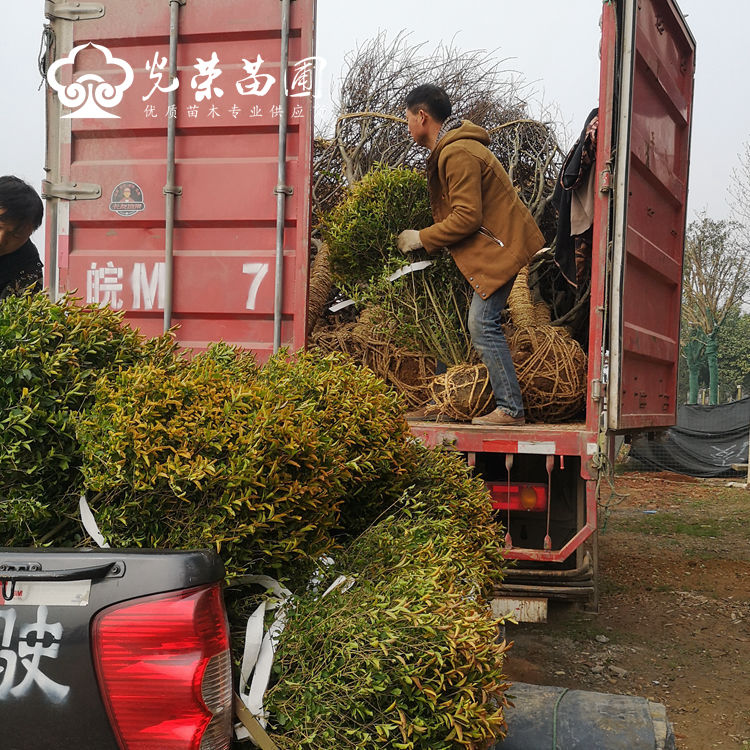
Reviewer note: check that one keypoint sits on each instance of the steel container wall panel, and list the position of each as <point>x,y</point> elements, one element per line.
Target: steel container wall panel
<point>226,165</point>
<point>212,191</point>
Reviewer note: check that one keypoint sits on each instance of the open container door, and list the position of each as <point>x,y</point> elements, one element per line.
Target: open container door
<point>656,66</point>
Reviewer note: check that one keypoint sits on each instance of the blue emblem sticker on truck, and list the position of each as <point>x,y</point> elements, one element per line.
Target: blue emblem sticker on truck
<point>127,199</point>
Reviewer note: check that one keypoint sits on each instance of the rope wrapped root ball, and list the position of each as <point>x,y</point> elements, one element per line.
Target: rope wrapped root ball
<point>410,373</point>
<point>336,338</point>
<point>551,370</point>
<point>463,392</point>
<point>407,371</point>
<point>550,364</point>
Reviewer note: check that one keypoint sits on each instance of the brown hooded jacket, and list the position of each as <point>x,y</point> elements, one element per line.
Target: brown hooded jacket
<point>478,214</point>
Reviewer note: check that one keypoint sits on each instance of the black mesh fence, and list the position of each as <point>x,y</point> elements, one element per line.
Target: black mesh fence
<point>706,442</point>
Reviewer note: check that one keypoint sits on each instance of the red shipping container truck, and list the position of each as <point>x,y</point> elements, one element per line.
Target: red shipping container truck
<point>168,201</point>
<point>109,185</point>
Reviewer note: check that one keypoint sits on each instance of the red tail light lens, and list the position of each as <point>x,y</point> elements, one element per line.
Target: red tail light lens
<point>519,496</point>
<point>165,671</point>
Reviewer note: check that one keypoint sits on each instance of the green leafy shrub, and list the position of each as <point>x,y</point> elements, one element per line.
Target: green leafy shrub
<point>51,354</point>
<point>257,467</point>
<point>274,467</point>
<point>361,231</point>
<point>429,307</point>
<point>408,657</point>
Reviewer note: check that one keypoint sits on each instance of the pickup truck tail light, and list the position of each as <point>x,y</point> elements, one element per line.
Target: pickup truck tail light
<point>165,671</point>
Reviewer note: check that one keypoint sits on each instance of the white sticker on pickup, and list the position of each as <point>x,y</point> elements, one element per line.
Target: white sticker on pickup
<point>51,593</point>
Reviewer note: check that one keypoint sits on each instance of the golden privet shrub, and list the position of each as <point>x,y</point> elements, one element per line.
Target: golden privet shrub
<point>51,355</point>
<point>255,466</point>
<point>408,657</point>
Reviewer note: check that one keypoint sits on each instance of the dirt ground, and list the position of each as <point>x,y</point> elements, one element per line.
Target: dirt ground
<point>674,616</point>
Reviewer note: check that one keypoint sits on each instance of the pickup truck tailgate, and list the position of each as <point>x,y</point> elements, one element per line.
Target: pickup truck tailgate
<point>53,623</point>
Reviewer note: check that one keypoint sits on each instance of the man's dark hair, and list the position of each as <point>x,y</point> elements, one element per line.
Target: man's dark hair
<point>19,202</point>
<point>432,99</point>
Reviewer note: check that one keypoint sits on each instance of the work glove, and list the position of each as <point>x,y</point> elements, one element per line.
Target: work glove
<point>409,240</point>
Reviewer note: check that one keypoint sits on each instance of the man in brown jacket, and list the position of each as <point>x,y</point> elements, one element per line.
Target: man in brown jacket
<point>481,220</point>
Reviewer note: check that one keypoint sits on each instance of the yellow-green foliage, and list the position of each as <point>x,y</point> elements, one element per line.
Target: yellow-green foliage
<point>361,231</point>
<point>274,467</point>
<point>408,657</point>
<point>50,357</point>
<point>257,467</point>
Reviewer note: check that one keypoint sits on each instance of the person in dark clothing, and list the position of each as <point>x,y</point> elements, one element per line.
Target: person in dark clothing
<point>21,212</point>
<point>574,199</point>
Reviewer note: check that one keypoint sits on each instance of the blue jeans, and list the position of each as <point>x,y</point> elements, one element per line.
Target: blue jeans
<point>489,341</point>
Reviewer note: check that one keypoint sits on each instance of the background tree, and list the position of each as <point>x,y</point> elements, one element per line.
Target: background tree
<point>739,195</point>
<point>733,343</point>
<point>716,280</point>
<point>734,353</point>
<point>693,352</point>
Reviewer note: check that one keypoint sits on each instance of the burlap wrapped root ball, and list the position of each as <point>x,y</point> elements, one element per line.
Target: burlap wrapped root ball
<point>551,370</point>
<point>320,285</point>
<point>463,392</point>
<point>550,364</point>
<point>407,371</point>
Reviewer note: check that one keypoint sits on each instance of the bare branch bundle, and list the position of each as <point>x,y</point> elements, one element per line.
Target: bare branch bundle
<point>370,127</point>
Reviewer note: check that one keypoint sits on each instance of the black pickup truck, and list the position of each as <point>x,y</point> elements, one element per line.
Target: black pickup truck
<point>113,650</point>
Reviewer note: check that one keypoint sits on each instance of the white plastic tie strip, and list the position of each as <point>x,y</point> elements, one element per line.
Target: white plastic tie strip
<point>342,582</point>
<point>257,659</point>
<point>89,522</point>
<point>341,305</point>
<point>420,265</point>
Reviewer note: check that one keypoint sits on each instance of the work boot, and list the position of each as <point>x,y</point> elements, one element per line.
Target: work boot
<point>499,418</point>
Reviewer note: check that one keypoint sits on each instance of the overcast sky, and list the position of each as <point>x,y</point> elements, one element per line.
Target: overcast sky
<point>553,44</point>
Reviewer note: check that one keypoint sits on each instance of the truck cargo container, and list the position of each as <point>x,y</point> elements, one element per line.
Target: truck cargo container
<point>164,203</point>
<point>191,207</point>
<point>642,160</point>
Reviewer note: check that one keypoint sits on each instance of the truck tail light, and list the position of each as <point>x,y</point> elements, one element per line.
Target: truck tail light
<point>532,497</point>
<point>165,671</point>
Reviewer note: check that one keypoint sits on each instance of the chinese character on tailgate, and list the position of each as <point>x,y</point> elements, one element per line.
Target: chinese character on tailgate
<point>35,641</point>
